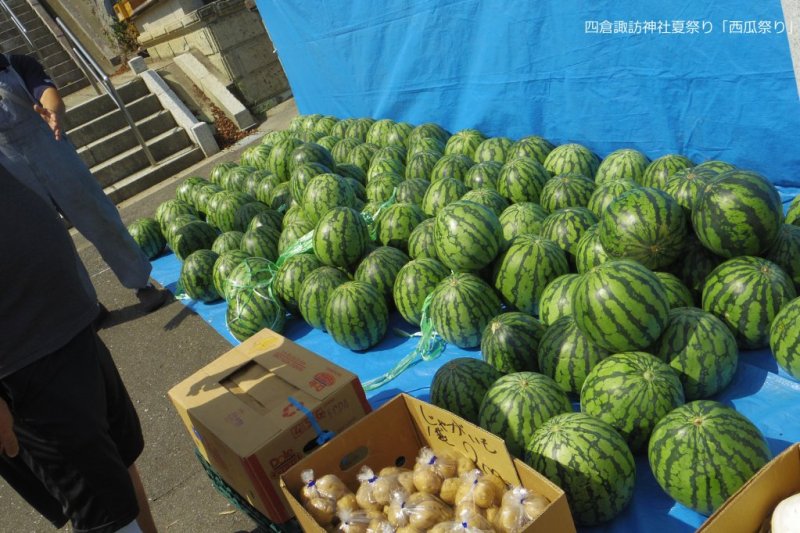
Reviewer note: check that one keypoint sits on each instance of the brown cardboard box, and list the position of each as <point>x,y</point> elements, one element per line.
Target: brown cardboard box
<point>238,413</point>
<point>754,502</point>
<point>394,434</point>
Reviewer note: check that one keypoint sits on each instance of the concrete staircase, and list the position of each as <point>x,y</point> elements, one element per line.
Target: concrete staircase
<point>57,62</point>
<point>109,148</point>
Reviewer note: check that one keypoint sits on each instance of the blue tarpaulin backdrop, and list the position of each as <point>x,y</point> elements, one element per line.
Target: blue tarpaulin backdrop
<point>680,76</point>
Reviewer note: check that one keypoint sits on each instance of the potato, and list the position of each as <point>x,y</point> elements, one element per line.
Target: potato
<point>379,525</point>
<point>499,484</point>
<point>330,486</point>
<point>449,490</point>
<point>441,527</point>
<point>469,507</point>
<point>365,498</point>
<point>383,487</point>
<point>484,494</point>
<point>428,513</point>
<point>510,518</point>
<point>427,480</point>
<point>397,514</point>
<point>354,527</point>
<point>321,509</point>
<point>534,505</point>
<point>446,465</point>
<point>347,502</point>
<point>392,471</point>
<point>409,529</point>
<point>465,464</point>
<point>492,513</point>
<point>464,492</point>
<point>406,480</point>
<point>419,497</point>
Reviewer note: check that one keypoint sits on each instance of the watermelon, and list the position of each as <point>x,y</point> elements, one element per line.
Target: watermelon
<point>170,209</point>
<point>310,121</point>
<point>290,276</point>
<point>428,130</point>
<point>685,186</point>
<point>379,268</point>
<point>245,214</point>
<point>301,175</point>
<point>421,241</point>
<point>460,385</point>
<point>631,391</point>
<point>678,294</point>
<point>494,149</point>
<point>222,209</point>
<point>379,130</point>
<point>273,137</point>
<point>279,161</point>
<point>359,128</point>
<point>224,265</point>
<point>487,198</point>
<point>467,236</point>
<point>340,128</point>
<point>221,170</point>
<point>251,311</point>
<point>253,181</point>
<point>483,175</point>
<point>441,194</point>
<point>786,252</point>
<point>566,190</point>
<point>252,273</point>
<point>525,269</point>
<point>328,142</point>
<point>325,125</point>
<point>261,242</point>
<point>340,238</point>
<point>566,355</point>
<point>521,218</point>
<point>746,293</point>
<point>236,178</point>
<point>291,233</point>
<point>315,290</point>
<point>412,191</point>
<point>323,193</point>
<point>397,223</point>
<point>381,187</point>
<point>589,251</point>
<point>398,134</point>
<point>341,150</point>
<point>659,171</point>
<point>267,217</point>
<point>533,147</point>
<point>624,164</point>
<point>517,404</point>
<point>266,187</point>
<point>451,166</point>
<point>230,240</point>
<point>460,308</point>
<point>566,226</point>
<point>414,282</point>
<point>388,164</point>
<point>203,197</point>
<point>646,225</point>
<point>793,214</point>
<point>589,460</point>
<point>700,349</point>
<point>464,142</point>
<point>176,223</point>
<point>281,197</point>
<point>556,298</point>
<point>695,266</point>
<point>188,188</point>
<point>191,237</point>
<point>717,166</point>
<point>357,189</point>
<point>701,453</point>
<point>361,155</point>
<point>425,144</point>
<point>356,315</point>
<point>510,341</point>
<point>572,159</point>
<point>522,180</point>
<point>421,165</point>
<point>607,192</point>
<point>197,276</point>
<point>784,338</point>
<point>147,234</point>
<point>621,306</point>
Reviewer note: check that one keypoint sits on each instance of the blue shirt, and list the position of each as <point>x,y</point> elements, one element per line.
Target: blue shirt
<point>31,72</point>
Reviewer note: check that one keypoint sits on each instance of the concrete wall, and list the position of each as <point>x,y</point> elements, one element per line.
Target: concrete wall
<point>91,24</point>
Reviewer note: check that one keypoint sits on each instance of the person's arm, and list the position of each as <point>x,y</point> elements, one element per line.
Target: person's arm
<point>42,89</point>
<point>8,439</point>
<point>51,110</point>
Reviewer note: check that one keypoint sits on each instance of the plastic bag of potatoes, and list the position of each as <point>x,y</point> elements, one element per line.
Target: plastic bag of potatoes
<point>519,508</point>
<point>419,511</point>
<point>321,497</point>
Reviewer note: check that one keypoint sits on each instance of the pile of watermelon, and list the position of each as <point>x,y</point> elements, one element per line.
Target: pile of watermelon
<point>625,284</point>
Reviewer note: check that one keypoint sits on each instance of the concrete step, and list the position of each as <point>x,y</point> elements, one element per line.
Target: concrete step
<point>146,178</point>
<point>133,160</point>
<point>73,86</point>
<point>124,139</point>
<point>56,57</point>
<point>70,76</point>
<point>99,106</point>
<point>51,49</point>
<point>110,122</point>
<point>59,69</point>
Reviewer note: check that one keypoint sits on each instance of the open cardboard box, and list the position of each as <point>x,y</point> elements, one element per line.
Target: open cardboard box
<point>393,436</point>
<point>754,502</point>
<point>239,414</point>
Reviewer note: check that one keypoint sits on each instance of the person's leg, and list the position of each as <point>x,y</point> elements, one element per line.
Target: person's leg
<point>145,518</point>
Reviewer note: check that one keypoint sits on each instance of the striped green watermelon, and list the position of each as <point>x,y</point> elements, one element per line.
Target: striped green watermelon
<point>483,175</point>
<point>187,190</point>
<point>290,276</point>
<point>493,149</point>
<point>451,166</point>
<point>521,218</point>
<point>359,128</point>
<point>607,192</point>
<point>786,252</point>
<point>310,121</point>
<point>261,242</point>
<point>253,181</point>
<point>525,269</point>
<point>175,223</point>
<point>398,135</point>
<point>323,193</point>
<point>252,273</point>
<point>202,195</point>
<point>510,342</point>
<point>522,180</point>
<point>518,404</point>
<point>442,193</point>
<point>397,223</point>
<point>340,238</point>
<point>467,236</point>
<point>556,298</point>
<point>266,187</point>
<point>272,137</point>
<point>589,251</point>
<point>281,197</point>
<point>717,166</point>
<point>325,125</point>
<point>678,294</point>
<point>224,265</point>
<point>197,276</point>
<point>566,355</point>
<point>421,165</point>
<point>464,142</point>
<point>695,266</point>
<point>701,349</point>
<point>385,166</point>
<point>301,175</point>
<point>646,225</point>
<point>621,306</point>
<point>793,214</point>
<point>356,315</point>
<point>572,159</point>
<point>487,198</point>
<point>340,128</point>
<point>425,144</point>
<point>631,391</point>
<point>230,240</point>
<point>784,338</point>
<point>357,189</point>
<point>379,268</point>
<point>236,178</point>
<point>267,217</point>
<point>221,170</point>
<point>292,215</point>
<point>279,161</point>
<point>341,151</point>
<point>245,214</point>
<point>250,311</point>
<point>170,209</point>
<point>394,154</point>
<point>191,237</point>
<point>702,452</point>
<point>460,308</point>
<point>659,171</point>
<point>566,226</point>
<point>412,191</point>
<point>589,460</point>
<point>379,130</point>
<point>147,234</point>
<point>566,190</point>
<point>685,186</point>
<point>421,242</point>
<point>414,282</point>
<point>624,164</point>
<point>381,187</point>
<point>222,209</point>
<point>328,142</point>
<point>746,293</point>
<point>315,291</point>
<point>361,155</point>
<point>428,130</point>
<point>533,147</point>
<point>460,385</point>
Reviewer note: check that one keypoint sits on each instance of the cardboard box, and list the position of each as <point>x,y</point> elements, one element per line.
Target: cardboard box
<point>238,413</point>
<point>393,436</point>
<point>754,502</point>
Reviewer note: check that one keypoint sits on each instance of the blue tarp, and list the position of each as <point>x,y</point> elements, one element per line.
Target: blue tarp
<point>710,80</point>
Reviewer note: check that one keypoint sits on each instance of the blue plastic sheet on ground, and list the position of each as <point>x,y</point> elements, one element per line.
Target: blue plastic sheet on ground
<point>710,80</point>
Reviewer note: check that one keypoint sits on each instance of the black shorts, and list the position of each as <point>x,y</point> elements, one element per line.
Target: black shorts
<point>78,433</point>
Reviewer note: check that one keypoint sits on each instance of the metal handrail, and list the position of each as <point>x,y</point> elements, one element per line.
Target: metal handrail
<point>20,26</point>
<point>101,76</point>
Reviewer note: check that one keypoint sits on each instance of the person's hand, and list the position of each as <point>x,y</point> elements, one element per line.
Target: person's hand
<point>8,439</point>
<point>51,118</point>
